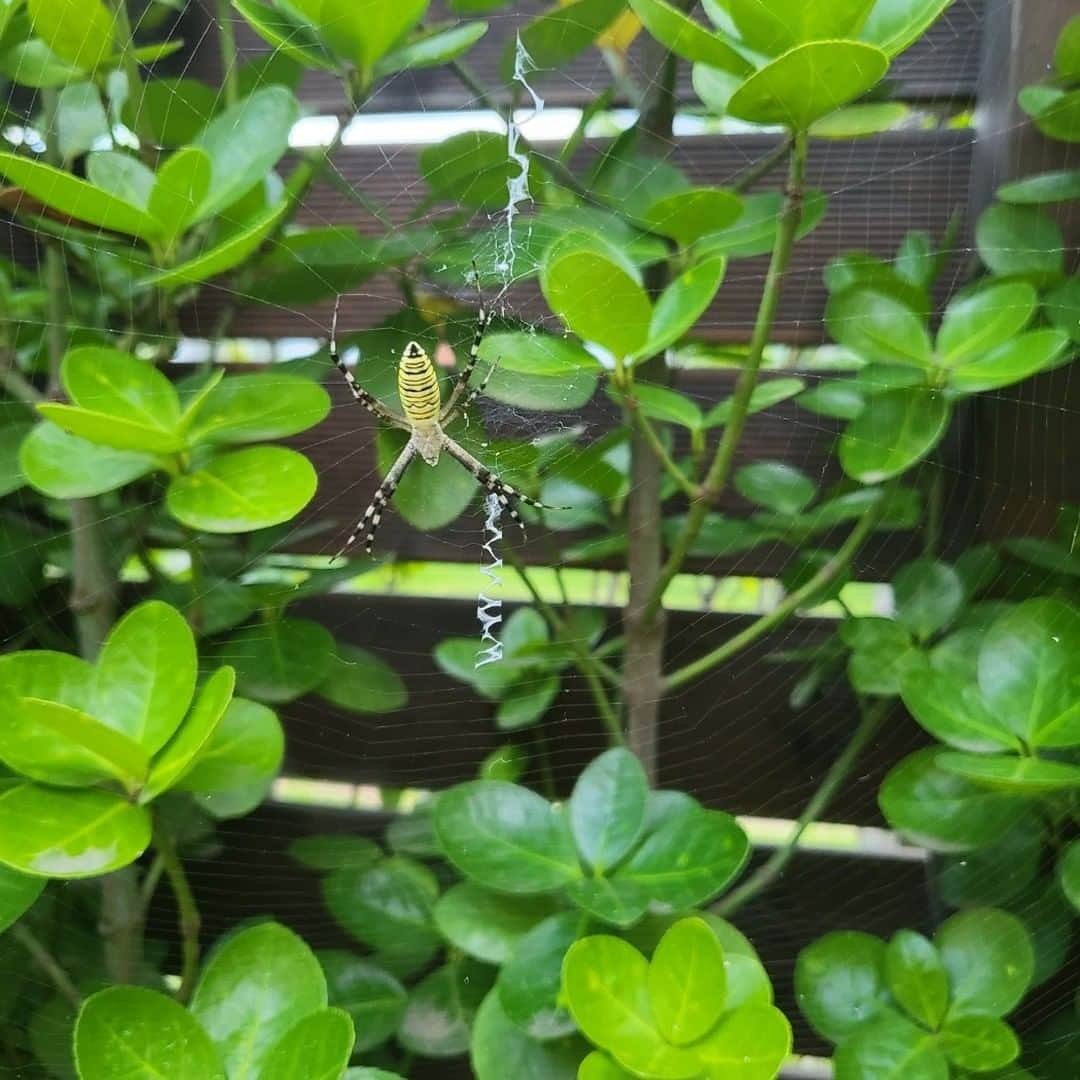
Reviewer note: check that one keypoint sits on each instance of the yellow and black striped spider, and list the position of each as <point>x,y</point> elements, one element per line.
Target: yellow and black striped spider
<point>424,420</point>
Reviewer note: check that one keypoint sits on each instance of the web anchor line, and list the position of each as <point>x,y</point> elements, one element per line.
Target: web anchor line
<point>489,609</point>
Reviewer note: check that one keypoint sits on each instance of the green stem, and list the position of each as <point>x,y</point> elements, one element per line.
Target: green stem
<point>786,608</point>
<point>198,584</point>
<point>720,470</point>
<point>227,46</point>
<point>685,484</point>
<point>761,168</point>
<point>187,912</point>
<point>774,866</point>
<point>48,963</point>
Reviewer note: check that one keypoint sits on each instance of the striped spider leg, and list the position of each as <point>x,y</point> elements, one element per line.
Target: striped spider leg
<point>425,415</point>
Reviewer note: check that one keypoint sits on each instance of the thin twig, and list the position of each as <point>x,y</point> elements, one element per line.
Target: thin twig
<point>670,466</point>
<point>761,168</point>
<point>48,963</point>
<point>187,912</point>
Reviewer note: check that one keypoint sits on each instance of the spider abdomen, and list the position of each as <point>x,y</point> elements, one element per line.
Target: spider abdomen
<point>418,386</point>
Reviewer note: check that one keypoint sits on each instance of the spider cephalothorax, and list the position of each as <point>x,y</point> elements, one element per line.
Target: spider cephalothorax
<point>425,420</point>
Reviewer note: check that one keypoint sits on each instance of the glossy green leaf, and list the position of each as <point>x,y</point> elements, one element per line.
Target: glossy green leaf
<point>80,120</point>
<point>79,31</point>
<point>69,834</point>
<point>316,1047</point>
<point>996,874</point>
<point>808,82</point>
<point>890,1047</point>
<point>607,808</point>
<point>538,371</point>
<point>1062,307</point>
<point>686,216</point>
<point>116,383</point>
<point>982,321</point>
<point>687,38</point>
<point>668,406</point>
<point>431,47</point>
<point>1016,360</point>
<point>58,744</point>
<point>363,35</point>
<point>113,431</point>
<point>64,466</point>
<point>878,327</point>
<point>529,983</point>
<point>755,231</point>
<point>916,977</point>
<point>176,110</point>
<point>371,996</point>
<point>1022,241</point>
<point>775,486</point>
<point>1060,118</point>
<point>619,903</point>
<point>767,394</point>
<point>893,25</point>
<point>773,26</point>
<point>122,175</point>
<point>928,595</point>
<point>335,851</point>
<point>428,497</point>
<point>182,184</point>
<point>1069,873</point>
<point>1028,673</point>
<point>1050,187</point>
<point>33,63</point>
<point>505,837</point>
<point>560,33</point>
<point>53,676</point>
<point>146,674</point>
<point>988,956</point>
<point>895,430</point>
<point>858,121</point>
<point>484,924</point>
<point>243,490</point>
<point>980,1043</point>
<point>472,168</point>
<point>180,753</point>
<point>883,654</point>
<point>279,660</point>
<point>687,982</point>
<point>752,1043</point>
<point>598,1066</point>
<point>943,811</point>
<point>77,199</point>
<point>245,749</point>
<point>953,711</point>
<point>361,682</point>
<point>840,982</point>
<point>1006,772</point>
<point>527,701</point>
<point>499,1048</point>
<point>683,302</point>
<point>17,894</point>
<point>253,989</point>
<point>438,1017</point>
<point>282,32</point>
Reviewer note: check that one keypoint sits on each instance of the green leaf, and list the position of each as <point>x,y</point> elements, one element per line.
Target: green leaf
<point>765,396</point>
<point>988,956</point>
<point>980,1043</point>
<point>64,466</point>
<point>505,837</point>
<point>686,38</point>
<point>928,595</point>
<point>363,34</point>
<point>893,25</point>
<point>1016,360</point>
<point>687,982</point>
<point>486,925</point>
<point>895,430</point>
<point>573,276</point>
<point>146,674</point>
<point>943,811</point>
<point>69,834</point>
<point>313,264</point>
<point>916,977</point>
<point>181,752</point>
<point>667,406</point>
<point>808,82</point>
<point>438,1017</point>
<point>80,120</point>
<point>688,215</point>
<point>776,486</point>
<point>12,435</point>
<point>33,63</point>
<point>1062,307</point>
<point>607,808</point>
<point>362,683</point>
<point>113,431</point>
<point>840,982</point>
<point>122,175</point>
<point>472,168</point>
<point>1028,673</point>
<point>54,676</point>
<point>253,989</point>
<point>688,859</point>
<point>1022,241</point>
<point>605,983</point>
<point>245,749</point>
<point>79,31</point>
<point>58,744</point>
<point>254,408</point>
<point>116,383</point>
<point>527,701</point>
<point>1060,119</point>
<point>81,202</point>
<point>285,34</point>
<point>620,903</point>
<point>751,1042</point>
<point>878,327</point>
<point>559,33</point>
<point>773,26</point>
<point>1006,772</point>
<point>755,232</point>
<point>279,660</point>
<point>598,1066</point>
<point>17,894</point>
<point>244,142</point>
<point>499,1049</point>
<point>982,321</point>
<point>432,47</point>
<point>335,851</point>
<point>530,982</point>
<point>141,1034</point>
<point>243,490</point>
<point>858,121</point>
<point>683,302</point>
<point>182,184</point>
<point>953,711</point>
<point>1069,873</point>
<point>1049,187</point>
<point>995,874</point>
<point>176,110</point>
<point>890,1047</point>
<point>882,655</point>
<point>372,997</point>
<point>317,1047</point>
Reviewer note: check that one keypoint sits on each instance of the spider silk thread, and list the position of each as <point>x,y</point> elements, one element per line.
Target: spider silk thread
<point>488,609</point>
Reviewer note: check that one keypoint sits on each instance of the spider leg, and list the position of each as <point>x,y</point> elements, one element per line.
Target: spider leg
<point>507,495</point>
<point>462,406</point>
<point>369,523</point>
<point>358,392</point>
<point>462,383</point>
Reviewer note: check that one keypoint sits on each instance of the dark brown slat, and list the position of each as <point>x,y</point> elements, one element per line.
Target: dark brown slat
<point>740,714</point>
<point>254,877</point>
<point>879,189</point>
<point>943,65</point>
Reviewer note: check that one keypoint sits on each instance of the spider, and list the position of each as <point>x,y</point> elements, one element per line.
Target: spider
<point>425,419</point>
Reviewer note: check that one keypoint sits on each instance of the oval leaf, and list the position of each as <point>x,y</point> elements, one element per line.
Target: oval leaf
<point>607,808</point>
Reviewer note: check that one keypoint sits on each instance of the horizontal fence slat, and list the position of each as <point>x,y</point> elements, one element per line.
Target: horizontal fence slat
<point>944,64</point>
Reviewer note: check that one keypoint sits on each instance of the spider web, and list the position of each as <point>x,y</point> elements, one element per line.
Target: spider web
<point>736,745</point>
